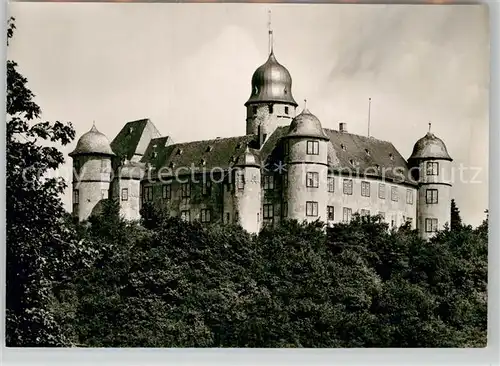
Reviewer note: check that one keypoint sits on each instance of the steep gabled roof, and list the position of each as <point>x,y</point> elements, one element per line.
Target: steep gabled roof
<point>220,153</point>
<point>134,138</point>
<point>366,154</point>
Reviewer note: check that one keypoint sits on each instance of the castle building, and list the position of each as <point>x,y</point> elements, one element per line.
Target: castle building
<point>286,166</point>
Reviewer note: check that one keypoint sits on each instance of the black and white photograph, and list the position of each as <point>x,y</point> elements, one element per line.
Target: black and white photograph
<point>248,175</point>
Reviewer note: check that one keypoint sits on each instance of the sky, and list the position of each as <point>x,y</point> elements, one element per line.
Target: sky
<point>188,68</point>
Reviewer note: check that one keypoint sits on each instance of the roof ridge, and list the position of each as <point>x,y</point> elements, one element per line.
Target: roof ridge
<point>368,138</point>
<point>210,140</point>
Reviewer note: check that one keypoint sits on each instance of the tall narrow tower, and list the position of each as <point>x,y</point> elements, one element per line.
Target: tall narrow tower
<point>92,172</point>
<point>248,200</point>
<point>306,158</point>
<point>271,103</point>
<point>432,163</point>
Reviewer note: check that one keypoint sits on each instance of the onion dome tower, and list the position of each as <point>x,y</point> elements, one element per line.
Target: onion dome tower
<point>247,199</point>
<point>271,102</point>
<point>432,163</point>
<point>306,159</point>
<point>92,169</point>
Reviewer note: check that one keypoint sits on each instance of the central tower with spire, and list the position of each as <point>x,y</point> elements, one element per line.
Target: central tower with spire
<point>271,103</point>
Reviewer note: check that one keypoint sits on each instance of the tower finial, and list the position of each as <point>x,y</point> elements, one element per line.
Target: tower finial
<point>270,32</point>
<point>305,104</point>
<point>429,126</point>
<point>369,114</point>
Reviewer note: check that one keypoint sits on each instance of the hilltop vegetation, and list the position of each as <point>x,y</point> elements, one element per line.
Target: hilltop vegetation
<point>163,282</point>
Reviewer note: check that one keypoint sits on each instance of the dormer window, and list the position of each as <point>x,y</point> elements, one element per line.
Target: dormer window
<point>209,148</point>
<point>155,154</point>
<point>342,146</point>
<point>352,162</point>
<point>367,152</point>
<point>238,146</point>
<point>172,165</point>
<point>179,152</point>
<point>391,156</point>
<point>130,129</point>
<point>203,162</point>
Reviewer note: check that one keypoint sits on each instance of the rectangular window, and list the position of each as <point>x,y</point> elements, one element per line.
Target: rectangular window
<point>104,166</point>
<point>409,196</point>
<point>205,215</point>
<point>394,194</point>
<point>286,110</point>
<point>347,214</point>
<point>311,208</point>
<point>393,220</point>
<point>76,196</point>
<point>185,190</point>
<point>331,184</point>
<point>312,179</point>
<point>365,212</point>
<point>285,180</point>
<point>312,147</point>
<point>431,225</point>
<point>432,168</point>
<point>268,182</point>
<point>228,217</point>
<point>206,188</point>
<point>348,186</point>
<point>365,189</point>
<point>268,211</point>
<point>330,213</point>
<point>285,209</point>
<point>254,110</point>
<point>185,215</point>
<point>124,194</point>
<point>167,191</point>
<point>381,191</point>
<point>271,109</point>
<point>147,194</point>
<point>382,215</point>
<point>104,194</point>
<point>286,148</point>
<point>431,196</point>
<point>240,180</point>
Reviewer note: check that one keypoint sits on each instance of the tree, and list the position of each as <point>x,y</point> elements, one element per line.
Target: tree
<point>456,220</point>
<point>40,247</point>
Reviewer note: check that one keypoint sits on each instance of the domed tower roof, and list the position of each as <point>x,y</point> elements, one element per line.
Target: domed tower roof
<point>430,147</point>
<point>306,124</point>
<point>248,158</point>
<point>271,82</point>
<point>92,142</point>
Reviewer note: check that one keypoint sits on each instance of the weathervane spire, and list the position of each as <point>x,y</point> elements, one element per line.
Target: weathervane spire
<point>270,32</point>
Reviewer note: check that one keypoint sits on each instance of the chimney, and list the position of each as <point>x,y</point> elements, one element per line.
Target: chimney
<point>342,127</point>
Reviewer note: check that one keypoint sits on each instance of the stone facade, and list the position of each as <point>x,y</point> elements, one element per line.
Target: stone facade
<point>285,167</point>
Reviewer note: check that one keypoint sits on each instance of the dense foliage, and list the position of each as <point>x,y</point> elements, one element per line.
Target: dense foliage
<point>167,283</point>
<point>40,248</point>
